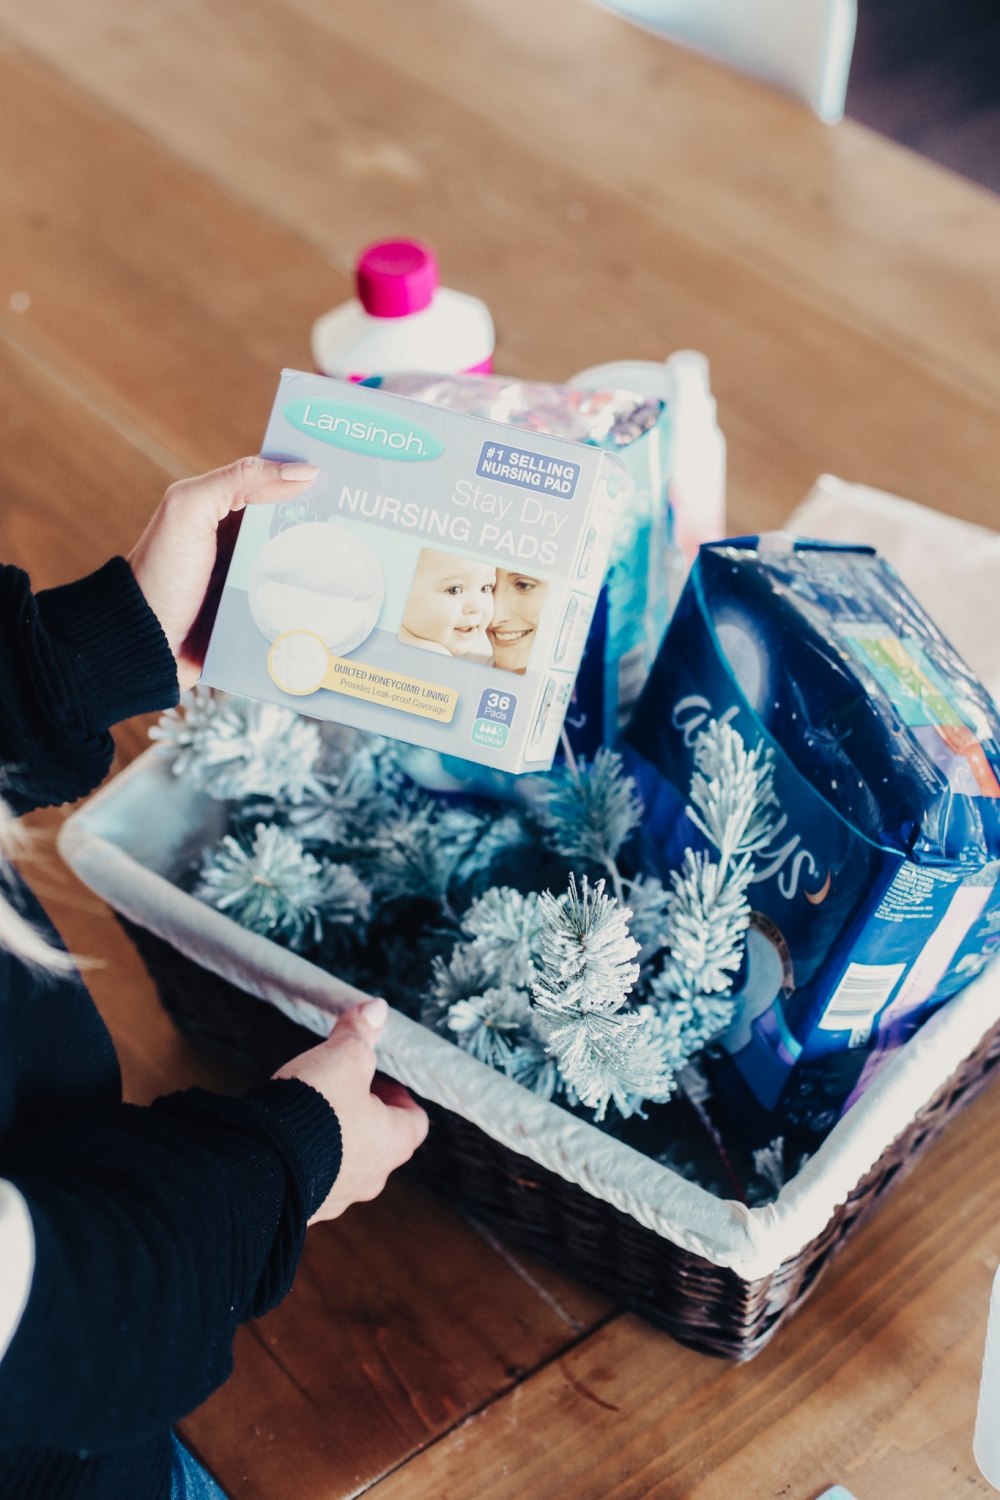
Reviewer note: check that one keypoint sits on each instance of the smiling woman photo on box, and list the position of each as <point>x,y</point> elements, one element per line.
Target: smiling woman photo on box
<point>517,608</point>
<point>134,1241</point>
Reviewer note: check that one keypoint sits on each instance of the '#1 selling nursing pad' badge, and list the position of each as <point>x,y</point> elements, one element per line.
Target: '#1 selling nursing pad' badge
<point>300,664</point>
<point>493,721</point>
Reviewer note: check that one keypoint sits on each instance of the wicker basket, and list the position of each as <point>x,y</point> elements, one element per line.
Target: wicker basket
<point>716,1275</point>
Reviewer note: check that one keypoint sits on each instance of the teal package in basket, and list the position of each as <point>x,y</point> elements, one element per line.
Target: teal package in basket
<point>372,599</point>
<point>876,898</point>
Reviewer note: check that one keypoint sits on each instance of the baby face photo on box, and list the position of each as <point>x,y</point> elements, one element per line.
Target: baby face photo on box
<point>460,607</point>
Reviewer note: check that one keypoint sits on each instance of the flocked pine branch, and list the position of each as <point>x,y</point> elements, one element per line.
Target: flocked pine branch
<point>647,899</point>
<point>465,976</point>
<point>732,790</point>
<point>504,834</point>
<point>769,1163</point>
<point>417,852</point>
<point>533,1067</point>
<point>276,888</point>
<point>232,747</point>
<point>591,811</point>
<point>706,909</point>
<point>481,996</point>
<point>345,900</point>
<point>375,781</point>
<point>487,1025</point>
<point>501,929</point>
<point>324,818</point>
<point>585,970</point>
<point>707,917</point>
<point>505,927</point>
<point>354,804</point>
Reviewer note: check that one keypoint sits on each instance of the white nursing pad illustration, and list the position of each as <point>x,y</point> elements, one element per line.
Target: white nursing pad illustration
<point>298,662</point>
<point>317,578</point>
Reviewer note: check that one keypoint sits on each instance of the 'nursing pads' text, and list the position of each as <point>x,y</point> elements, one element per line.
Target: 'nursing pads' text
<point>520,527</point>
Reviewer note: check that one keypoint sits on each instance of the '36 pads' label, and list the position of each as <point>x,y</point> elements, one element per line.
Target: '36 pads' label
<point>494,718</point>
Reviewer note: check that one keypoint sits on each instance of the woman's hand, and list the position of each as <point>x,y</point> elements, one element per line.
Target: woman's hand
<point>380,1125</point>
<point>181,558</point>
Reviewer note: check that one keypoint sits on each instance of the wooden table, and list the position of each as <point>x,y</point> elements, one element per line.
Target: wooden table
<point>183,186</point>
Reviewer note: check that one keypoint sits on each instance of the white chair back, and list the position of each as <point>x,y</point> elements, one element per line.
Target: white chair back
<point>803,46</point>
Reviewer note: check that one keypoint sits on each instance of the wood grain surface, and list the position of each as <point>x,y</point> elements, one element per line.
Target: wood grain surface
<point>864,227</point>
<point>873,1384</point>
<point>285,113</point>
<point>182,189</point>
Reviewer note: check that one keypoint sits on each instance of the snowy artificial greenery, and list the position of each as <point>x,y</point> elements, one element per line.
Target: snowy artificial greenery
<point>481,996</point>
<point>706,913</point>
<point>233,747</point>
<point>769,1163</point>
<point>591,810</point>
<point>418,850</point>
<point>519,929</point>
<point>275,887</point>
<point>538,990</point>
<point>539,987</point>
<point>586,969</point>
<point>774,1169</point>
<point>732,790</point>
<point>487,1025</point>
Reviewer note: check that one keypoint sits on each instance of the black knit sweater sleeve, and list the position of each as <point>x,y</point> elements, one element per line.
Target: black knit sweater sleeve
<point>73,661</point>
<point>157,1232</point>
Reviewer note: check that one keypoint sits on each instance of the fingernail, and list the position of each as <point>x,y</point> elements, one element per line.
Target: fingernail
<point>375,1012</point>
<point>298,473</point>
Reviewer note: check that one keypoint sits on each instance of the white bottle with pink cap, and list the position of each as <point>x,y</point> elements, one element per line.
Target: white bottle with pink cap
<point>402,319</point>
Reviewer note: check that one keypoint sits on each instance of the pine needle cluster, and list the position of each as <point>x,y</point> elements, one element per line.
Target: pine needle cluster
<point>232,747</point>
<point>590,812</point>
<point>273,886</point>
<point>586,969</point>
<point>707,913</point>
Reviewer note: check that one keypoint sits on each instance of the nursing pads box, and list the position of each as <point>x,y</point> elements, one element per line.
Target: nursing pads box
<point>435,585</point>
<point>877,897</point>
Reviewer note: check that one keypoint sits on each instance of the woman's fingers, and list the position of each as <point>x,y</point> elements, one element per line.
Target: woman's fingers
<point>380,1125</point>
<point>363,1023</point>
<point>406,1125</point>
<point>179,561</point>
<point>408,1122</point>
<point>248,481</point>
<point>390,1092</point>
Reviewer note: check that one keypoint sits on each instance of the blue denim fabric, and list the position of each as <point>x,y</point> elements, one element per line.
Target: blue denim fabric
<point>189,1481</point>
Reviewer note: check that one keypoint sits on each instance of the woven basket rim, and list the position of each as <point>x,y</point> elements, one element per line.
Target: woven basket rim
<point>119,852</point>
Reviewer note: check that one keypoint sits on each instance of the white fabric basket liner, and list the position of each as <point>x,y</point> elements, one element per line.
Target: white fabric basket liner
<point>145,827</point>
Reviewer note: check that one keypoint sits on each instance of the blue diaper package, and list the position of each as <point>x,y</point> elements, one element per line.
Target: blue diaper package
<point>876,899</point>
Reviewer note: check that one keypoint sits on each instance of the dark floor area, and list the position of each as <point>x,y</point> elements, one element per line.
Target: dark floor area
<point>927,73</point>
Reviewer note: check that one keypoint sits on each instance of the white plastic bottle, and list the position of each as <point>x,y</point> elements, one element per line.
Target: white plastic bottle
<point>697,486</point>
<point>697,464</point>
<point>402,319</point>
<point>986,1443</point>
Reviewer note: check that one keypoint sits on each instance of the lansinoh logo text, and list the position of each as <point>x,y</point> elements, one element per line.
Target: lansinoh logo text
<point>364,430</point>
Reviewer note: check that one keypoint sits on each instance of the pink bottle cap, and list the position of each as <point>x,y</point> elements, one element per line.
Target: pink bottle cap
<point>396,277</point>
